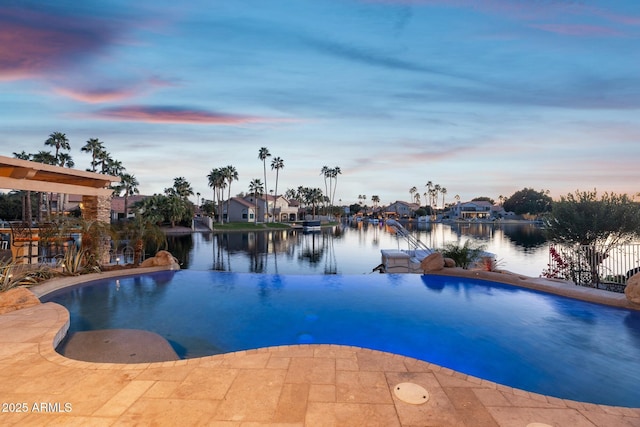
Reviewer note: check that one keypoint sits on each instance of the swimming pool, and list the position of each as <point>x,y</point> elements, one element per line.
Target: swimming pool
<point>518,337</point>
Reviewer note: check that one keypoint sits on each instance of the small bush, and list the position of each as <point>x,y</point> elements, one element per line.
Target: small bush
<point>463,255</point>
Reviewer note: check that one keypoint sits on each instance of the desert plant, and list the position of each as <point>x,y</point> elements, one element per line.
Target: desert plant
<point>488,263</point>
<point>95,237</point>
<point>11,276</point>
<point>78,261</point>
<point>463,255</point>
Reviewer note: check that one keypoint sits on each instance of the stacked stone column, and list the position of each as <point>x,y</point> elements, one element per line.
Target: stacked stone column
<point>98,208</point>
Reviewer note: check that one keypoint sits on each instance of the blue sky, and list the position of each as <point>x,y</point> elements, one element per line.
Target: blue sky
<point>482,97</point>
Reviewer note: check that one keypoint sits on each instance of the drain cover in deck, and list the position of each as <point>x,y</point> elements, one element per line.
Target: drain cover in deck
<point>411,393</point>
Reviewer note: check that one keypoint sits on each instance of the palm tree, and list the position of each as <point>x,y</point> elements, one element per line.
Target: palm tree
<point>262,155</point>
<point>176,209</point>
<point>375,200</point>
<point>412,191</point>
<point>312,196</point>
<point>429,191</point>
<point>103,158</point>
<point>181,188</point>
<point>114,167</point>
<point>64,159</point>
<point>230,174</point>
<point>26,197</point>
<point>58,140</point>
<point>436,193</point>
<point>277,163</point>
<point>334,174</point>
<point>49,159</point>
<point>128,184</point>
<point>326,173</point>
<point>95,147</point>
<point>143,229</point>
<point>443,191</point>
<point>217,182</point>
<point>256,188</point>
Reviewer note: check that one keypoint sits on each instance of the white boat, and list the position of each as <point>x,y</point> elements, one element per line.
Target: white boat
<point>313,225</point>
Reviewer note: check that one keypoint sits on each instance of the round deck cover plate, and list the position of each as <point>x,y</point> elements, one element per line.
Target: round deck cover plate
<point>411,393</point>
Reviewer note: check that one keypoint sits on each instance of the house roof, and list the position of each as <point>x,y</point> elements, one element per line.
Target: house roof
<point>242,201</point>
<point>413,206</point>
<point>477,203</point>
<point>117,203</point>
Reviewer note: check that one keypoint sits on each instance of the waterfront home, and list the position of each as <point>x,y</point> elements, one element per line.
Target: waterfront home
<point>401,209</point>
<point>278,207</point>
<point>239,210</point>
<point>474,210</point>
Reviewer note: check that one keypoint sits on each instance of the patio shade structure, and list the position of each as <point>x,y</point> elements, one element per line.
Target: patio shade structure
<point>16,174</point>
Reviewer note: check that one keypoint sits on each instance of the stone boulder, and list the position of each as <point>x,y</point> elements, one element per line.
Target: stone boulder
<point>632,290</point>
<point>17,298</point>
<point>449,263</point>
<point>433,262</point>
<point>162,259</point>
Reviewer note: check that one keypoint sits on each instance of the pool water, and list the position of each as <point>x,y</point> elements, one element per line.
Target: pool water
<point>518,337</point>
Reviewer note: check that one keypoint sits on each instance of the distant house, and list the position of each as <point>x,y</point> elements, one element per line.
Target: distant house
<point>401,209</point>
<point>117,206</point>
<point>71,202</point>
<point>279,209</point>
<point>239,210</point>
<point>472,210</point>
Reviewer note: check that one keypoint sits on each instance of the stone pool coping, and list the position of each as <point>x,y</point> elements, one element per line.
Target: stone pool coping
<point>301,385</point>
<point>553,286</point>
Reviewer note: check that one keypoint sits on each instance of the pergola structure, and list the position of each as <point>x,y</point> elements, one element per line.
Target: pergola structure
<point>16,174</point>
<point>19,174</point>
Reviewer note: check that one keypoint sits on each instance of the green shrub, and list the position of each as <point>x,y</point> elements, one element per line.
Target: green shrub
<point>463,255</point>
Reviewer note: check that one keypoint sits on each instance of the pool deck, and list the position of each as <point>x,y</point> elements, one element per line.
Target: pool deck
<point>303,385</point>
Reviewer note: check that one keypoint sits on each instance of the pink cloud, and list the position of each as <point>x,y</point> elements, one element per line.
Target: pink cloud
<point>178,115</point>
<point>96,96</point>
<point>113,93</point>
<point>33,43</point>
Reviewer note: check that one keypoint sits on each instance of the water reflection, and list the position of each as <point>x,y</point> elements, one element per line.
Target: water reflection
<point>352,248</point>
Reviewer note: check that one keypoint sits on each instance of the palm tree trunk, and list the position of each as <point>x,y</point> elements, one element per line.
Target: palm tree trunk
<point>266,203</point>
<point>275,197</point>
<point>137,251</point>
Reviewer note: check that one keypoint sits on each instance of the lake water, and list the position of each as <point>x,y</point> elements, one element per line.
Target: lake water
<point>352,248</point>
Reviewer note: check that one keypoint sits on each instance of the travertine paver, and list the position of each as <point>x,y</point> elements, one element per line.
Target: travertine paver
<point>307,385</point>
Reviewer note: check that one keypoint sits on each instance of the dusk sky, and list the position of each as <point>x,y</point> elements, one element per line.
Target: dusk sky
<point>484,97</point>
